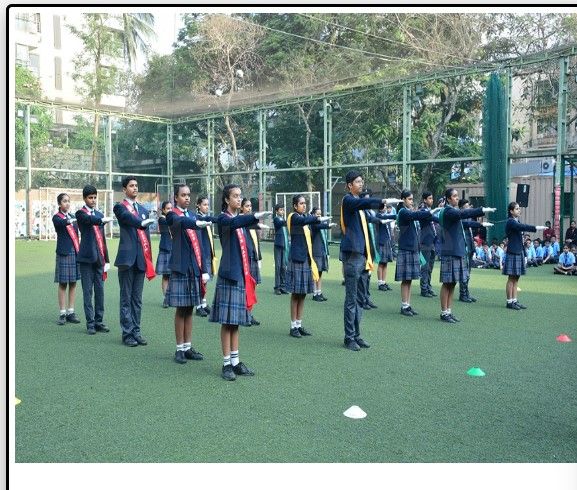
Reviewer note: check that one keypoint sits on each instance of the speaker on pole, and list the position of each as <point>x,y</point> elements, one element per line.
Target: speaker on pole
<point>522,195</point>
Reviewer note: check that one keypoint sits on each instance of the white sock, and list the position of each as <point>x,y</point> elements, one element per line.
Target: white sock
<point>448,311</point>
<point>294,324</point>
<point>380,282</point>
<point>204,302</point>
<point>226,361</point>
<point>180,347</point>
<point>445,312</point>
<point>186,346</point>
<point>509,301</point>
<point>69,311</point>
<point>514,300</point>
<point>319,292</point>
<point>405,305</point>
<point>198,307</point>
<point>298,323</point>
<point>63,312</point>
<point>234,360</point>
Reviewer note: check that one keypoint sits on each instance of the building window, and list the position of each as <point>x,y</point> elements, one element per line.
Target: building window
<point>57,32</point>
<point>28,22</point>
<point>22,57</point>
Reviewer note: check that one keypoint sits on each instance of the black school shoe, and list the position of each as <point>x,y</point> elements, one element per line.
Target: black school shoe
<point>241,370</point>
<point>323,297</point>
<point>521,307</point>
<point>201,312</point>
<point>193,355</point>
<point>254,321</point>
<point>317,297</point>
<point>370,304</point>
<point>513,306</point>
<point>61,320</point>
<point>72,318</point>
<point>101,328</point>
<point>294,332</point>
<point>362,343</point>
<point>447,318</point>
<point>179,357</point>
<point>304,332</point>
<point>407,311</point>
<point>228,373</point>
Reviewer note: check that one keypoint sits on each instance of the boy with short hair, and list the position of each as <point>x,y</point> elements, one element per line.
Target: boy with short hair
<point>566,262</point>
<point>93,259</point>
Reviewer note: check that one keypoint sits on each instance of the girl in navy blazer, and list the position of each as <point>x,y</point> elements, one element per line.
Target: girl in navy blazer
<point>207,243</point>
<point>453,249</point>
<point>385,242</point>
<point>514,265</point>
<point>235,295</point>
<point>301,269</point>
<point>408,258</point>
<point>320,251</point>
<point>254,250</point>
<point>164,249</point>
<point>67,270</point>
<point>188,272</point>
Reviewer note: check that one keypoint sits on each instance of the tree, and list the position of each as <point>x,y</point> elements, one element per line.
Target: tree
<point>137,30</point>
<point>94,74</point>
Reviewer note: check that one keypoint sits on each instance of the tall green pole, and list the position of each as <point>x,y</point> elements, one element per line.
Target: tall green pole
<point>28,160</point>
<point>261,157</point>
<point>169,167</point>
<point>210,162</point>
<point>559,209</point>
<point>407,110</point>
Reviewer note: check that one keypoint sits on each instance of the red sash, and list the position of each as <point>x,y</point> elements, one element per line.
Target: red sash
<point>249,281</point>
<point>99,244</point>
<point>144,243</point>
<point>71,232</point>
<point>197,252</point>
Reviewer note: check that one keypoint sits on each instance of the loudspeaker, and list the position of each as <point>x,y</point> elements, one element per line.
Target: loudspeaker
<point>522,195</point>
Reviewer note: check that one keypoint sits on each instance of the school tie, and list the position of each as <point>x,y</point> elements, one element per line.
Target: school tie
<point>186,213</point>
<point>286,246</point>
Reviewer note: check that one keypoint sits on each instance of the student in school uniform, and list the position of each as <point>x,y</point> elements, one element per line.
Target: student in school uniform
<point>133,260</point>
<point>566,263</point>
<point>67,271</point>
<point>164,249</point>
<point>372,222</point>
<point>188,272</point>
<point>235,293</point>
<point>514,266</point>
<point>320,251</point>
<point>356,254</point>
<point>302,270</point>
<point>254,250</point>
<point>281,250</point>
<point>92,259</point>
<point>408,258</point>
<point>454,258</point>
<point>469,227</point>
<point>538,251</point>
<point>206,239</point>
<point>427,239</point>
<point>385,248</point>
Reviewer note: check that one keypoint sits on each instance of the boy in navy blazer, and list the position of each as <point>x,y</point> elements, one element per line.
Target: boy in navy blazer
<point>281,250</point>
<point>355,251</point>
<point>93,259</point>
<point>134,260</point>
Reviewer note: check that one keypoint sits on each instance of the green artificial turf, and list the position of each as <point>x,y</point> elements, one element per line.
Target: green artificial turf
<point>91,399</point>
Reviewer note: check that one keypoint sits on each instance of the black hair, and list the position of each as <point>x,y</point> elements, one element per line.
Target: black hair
<point>314,210</point>
<point>462,202</point>
<point>163,205</point>
<point>226,194</point>
<point>177,188</point>
<point>449,193</point>
<point>59,198</point>
<point>352,175</point>
<point>297,198</point>
<point>126,180</point>
<point>278,206</point>
<point>511,206</point>
<point>367,192</point>
<point>404,194</point>
<point>200,199</point>
<point>88,190</point>
<point>426,194</point>
<point>244,201</point>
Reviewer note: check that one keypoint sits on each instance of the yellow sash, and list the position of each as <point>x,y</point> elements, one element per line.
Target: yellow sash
<point>369,263</point>
<point>307,232</point>
<point>211,240</point>
<point>343,229</point>
<point>254,237</point>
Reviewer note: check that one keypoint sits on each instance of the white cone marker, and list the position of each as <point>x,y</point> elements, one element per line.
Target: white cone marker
<point>355,412</point>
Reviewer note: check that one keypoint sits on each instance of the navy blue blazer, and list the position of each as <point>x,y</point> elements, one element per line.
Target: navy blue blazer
<point>408,233</point>
<point>353,239</point>
<point>230,266</point>
<point>468,226</point>
<point>129,248</point>
<point>89,252</point>
<point>253,253</point>
<point>319,248</point>
<point>182,258</point>
<point>202,234</point>
<point>428,233</point>
<point>165,239</point>
<point>514,231</point>
<point>383,230</point>
<point>452,232</point>
<point>64,244</point>
<point>299,251</point>
<point>279,231</point>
